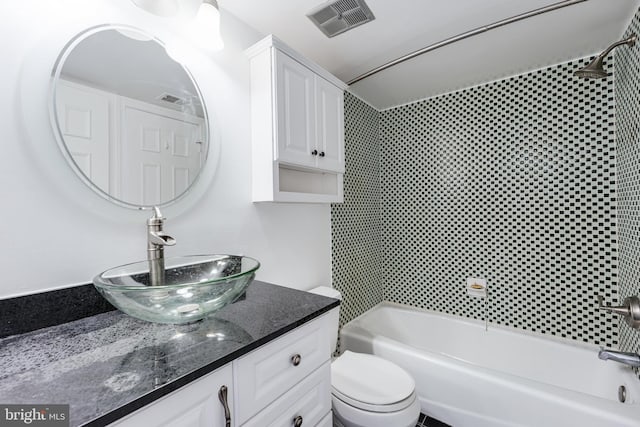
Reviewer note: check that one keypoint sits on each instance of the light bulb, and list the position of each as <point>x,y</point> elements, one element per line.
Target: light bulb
<point>158,7</point>
<point>206,27</point>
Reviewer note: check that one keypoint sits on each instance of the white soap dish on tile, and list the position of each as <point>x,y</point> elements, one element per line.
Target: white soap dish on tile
<point>476,287</point>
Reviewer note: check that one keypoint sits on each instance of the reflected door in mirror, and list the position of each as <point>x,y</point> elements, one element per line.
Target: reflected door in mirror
<point>160,153</point>
<point>84,122</point>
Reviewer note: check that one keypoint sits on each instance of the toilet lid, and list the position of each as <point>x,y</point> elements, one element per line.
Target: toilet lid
<point>370,379</point>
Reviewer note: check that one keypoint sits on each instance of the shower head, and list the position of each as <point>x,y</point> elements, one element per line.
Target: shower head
<point>595,69</point>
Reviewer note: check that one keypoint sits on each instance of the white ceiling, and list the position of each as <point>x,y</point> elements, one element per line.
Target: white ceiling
<point>403,26</point>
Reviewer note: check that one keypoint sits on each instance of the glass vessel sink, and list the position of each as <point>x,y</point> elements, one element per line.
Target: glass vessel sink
<point>194,286</point>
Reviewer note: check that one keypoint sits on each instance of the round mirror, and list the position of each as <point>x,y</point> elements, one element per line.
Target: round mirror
<point>130,120</point>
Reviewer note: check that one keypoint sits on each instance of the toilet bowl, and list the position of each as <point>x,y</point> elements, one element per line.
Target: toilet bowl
<point>368,391</point>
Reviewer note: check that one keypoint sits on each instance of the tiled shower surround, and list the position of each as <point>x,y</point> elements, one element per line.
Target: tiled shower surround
<point>356,224</point>
<point>627,81</point>
<point>514,181</point>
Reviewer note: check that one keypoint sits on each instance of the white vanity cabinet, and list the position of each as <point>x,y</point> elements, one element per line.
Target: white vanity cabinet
<point>284,383</point>
<point>195,405</point>
<point>297,120</point>
<point>287,378</point>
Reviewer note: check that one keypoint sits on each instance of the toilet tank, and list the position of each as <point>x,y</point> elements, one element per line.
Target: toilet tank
<point>334,314</point>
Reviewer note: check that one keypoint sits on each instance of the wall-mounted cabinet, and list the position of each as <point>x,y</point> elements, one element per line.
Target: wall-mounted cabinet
<point>297,119</point>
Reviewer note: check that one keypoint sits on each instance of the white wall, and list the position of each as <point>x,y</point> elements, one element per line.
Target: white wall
<point>55,232</point>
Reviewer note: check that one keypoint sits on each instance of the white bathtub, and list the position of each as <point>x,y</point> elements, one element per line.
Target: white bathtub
<point>468,377</point>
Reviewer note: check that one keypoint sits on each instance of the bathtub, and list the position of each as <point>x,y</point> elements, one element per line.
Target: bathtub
<point>469,377</point>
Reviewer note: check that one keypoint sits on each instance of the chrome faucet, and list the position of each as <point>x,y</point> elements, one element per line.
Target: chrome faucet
<point>631,359</point>
<point>156,241</point>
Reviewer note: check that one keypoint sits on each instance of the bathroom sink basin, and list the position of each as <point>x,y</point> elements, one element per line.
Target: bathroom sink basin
<point>193,287</point>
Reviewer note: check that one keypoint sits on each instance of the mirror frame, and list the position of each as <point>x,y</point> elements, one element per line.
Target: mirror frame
<point>53,114</point>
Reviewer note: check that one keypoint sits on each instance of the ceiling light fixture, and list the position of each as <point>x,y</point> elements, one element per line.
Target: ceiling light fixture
<point>158,7</point>
<point>206,28</point>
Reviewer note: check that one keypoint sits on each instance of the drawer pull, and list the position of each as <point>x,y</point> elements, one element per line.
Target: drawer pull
<point>321,154</point>
<point>296,359</point>
<point>297,421</point>
<point>222,395</point>
<point>314,153</point>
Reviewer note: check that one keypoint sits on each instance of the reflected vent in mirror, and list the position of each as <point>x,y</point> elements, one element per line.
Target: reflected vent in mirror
<point>172,99</point>
<point>336,17</point>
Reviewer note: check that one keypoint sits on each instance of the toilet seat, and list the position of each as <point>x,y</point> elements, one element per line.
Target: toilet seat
<point>392,407</point>
<point>371,383</point>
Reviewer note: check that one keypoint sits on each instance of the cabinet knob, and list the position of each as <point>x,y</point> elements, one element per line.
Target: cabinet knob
<point>321,154</point>
<point>315,153</point>
<point>296,359</point>
<point>297,421</point>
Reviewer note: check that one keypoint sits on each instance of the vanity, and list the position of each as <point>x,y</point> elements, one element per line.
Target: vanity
<point>263,360</point>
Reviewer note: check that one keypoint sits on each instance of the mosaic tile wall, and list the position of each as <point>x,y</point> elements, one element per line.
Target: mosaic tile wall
<point>356,229</point>
<point>627,81</point>
<point>513,181</point>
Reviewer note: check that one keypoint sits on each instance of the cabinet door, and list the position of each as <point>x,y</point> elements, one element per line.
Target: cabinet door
<point>330,125</point>
<point>296,128</point>
<point>194,405</point>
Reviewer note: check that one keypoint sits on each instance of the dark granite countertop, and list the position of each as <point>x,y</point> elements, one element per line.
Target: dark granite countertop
<point>108,365</point>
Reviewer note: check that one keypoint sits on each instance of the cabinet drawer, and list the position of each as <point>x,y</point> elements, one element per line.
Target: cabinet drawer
<point>327,421</point>
<point>195,405</point>
<point>269,371</point>
<point>310,400</point>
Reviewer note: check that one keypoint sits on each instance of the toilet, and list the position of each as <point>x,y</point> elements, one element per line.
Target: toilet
<point>367,390</point>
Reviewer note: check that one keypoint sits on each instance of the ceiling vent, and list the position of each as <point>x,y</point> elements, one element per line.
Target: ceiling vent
<point>338,16</point>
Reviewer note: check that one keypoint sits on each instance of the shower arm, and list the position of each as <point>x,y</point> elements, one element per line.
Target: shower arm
<point>631,41</point>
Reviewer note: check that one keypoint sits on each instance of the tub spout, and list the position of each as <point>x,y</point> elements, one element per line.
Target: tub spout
<point>631,359</point>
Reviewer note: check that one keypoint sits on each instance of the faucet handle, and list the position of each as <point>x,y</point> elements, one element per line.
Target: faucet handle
<point>622,310</point>
<point>157,218</point>
<point>629,310</point>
